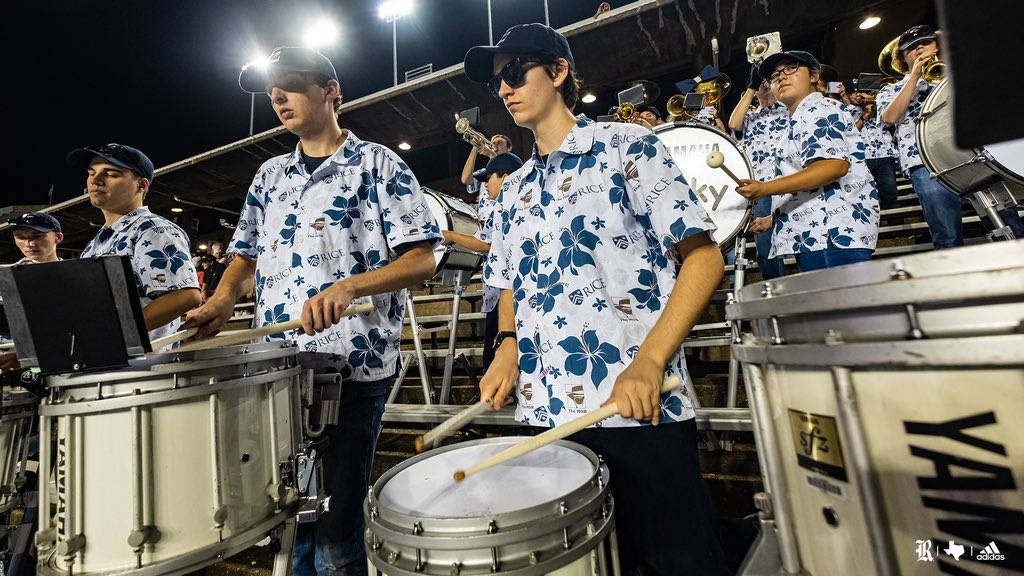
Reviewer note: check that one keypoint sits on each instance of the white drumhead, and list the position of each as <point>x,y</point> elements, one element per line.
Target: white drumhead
<point>690,145</point>
<point>1010,155</point>
<point>427,488</point>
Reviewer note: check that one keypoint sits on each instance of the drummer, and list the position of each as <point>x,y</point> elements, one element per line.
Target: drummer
<point>824,203</point>
<point>492,176</point>
<point>117,179</point>
<point>337,219</point>
<point>591,309</point>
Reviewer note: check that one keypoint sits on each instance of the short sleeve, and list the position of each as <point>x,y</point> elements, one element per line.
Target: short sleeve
<point>498,271</point>
<point>250,221</point>
<point>161,261</point>
<point>486,231</point>
<point>661,199</point>
<point>823,135</point>
<point>403,211</point>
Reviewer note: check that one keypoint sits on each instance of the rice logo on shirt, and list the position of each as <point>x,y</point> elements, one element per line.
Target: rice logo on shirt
<point>576,394</point>
<point>316,229</point>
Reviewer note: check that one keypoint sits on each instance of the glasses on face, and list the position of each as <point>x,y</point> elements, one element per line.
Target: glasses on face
<point>787,70</point>
<point>513,74</point>
<point>291,83</point>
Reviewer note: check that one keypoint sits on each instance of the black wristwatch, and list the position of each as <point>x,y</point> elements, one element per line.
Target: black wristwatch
<point>501,336</point>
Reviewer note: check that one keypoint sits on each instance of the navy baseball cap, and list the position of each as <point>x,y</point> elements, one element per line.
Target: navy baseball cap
<point>38,221</point>
<point>686,86</point>
<point>652,109</point>
<point>916,35</point>
<point>285,59</point>
<point>506,163</point>
<point>521,40</point>
<point>117,154</point>
<point>769,63</point>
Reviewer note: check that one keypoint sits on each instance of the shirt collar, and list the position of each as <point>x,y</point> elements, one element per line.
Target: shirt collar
<point>128,219</point>
<point>350,152</point>
<point>578,141</point>
<point>810,100</point>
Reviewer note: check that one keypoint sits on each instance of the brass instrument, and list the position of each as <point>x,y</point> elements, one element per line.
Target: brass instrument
<point>475,139</point>
<point>626,113</point>
<point>762,46</point>
<point>933,70</point>
<point>674,106</point>
<point>715,89</point>
<point>891,64</point>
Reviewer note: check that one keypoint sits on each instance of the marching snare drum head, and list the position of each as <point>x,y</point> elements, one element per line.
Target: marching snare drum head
<point>1009,155</point>
<point>426,487</point>
<point>690,145</point>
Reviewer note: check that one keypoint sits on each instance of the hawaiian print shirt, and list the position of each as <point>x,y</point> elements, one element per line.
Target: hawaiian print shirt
<point>906,128</point>
<point>705,116</point>
<point>843,213</point>
<point>307,231</point>
<point>587,247</point>
<point>877,139</point>
<point>159,252</point>
<point>762,130</point>
<point>477,190</point>
<point>486,210</point>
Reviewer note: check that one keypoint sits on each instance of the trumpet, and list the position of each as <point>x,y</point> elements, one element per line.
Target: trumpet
<point>674,106</point>
<point>626,113</point>
<point>475,139</point>
<point>933,70</point>
<point>891,64</point>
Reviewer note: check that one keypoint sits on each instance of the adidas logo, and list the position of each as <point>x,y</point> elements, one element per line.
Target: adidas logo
<point>990,552</point>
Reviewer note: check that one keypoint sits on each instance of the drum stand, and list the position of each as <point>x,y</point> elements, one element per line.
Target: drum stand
<point>739,276</point>
<point>987,202</point>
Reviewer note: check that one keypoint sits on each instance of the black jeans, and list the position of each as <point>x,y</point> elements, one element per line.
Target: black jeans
<point>664,519</point>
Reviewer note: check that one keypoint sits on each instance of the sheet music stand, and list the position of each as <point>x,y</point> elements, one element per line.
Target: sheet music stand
<point>74,315</point>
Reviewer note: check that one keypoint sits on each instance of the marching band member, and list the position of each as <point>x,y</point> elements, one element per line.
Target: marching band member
<point>762,128</point>
<point>502,144</point>
<point>117,179</point>
<point>824,204</point>
<point>880,150</point>
<point>592,310</point>
<point>337,219</point>
<point>492,176</point>
<point>37,235</point>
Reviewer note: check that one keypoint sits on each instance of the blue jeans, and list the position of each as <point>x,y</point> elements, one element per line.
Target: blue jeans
<point>769,267</point>
<point>334,545</point>
<point>884,172</point>
<point>831,257</point>
<point>941,209</point>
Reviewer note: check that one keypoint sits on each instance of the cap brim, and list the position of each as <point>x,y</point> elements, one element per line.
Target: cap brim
<point>36,228</point>
<point>479,63</point>
<point>481,175</point>
<point>253,79</point>
<point>917,41</point>
<point>82,157</point>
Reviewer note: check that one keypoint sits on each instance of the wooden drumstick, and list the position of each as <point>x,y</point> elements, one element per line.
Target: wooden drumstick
<point>241,336</point>
<point>6,345</point>
<point>451,425</point>
<point>172,338</point>
<point>717,160</point>
<point>556,433</point>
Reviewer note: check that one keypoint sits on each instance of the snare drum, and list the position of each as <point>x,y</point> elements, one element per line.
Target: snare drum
<point>16,425</point>
<point>548,512</point>
<point>886,399</point>
<point>171,463</point>
<point>453,215</point>
<point>690,144</point>
<point>963,171</point>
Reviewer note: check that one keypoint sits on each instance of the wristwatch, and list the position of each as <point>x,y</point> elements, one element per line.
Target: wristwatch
<point>501,336</point>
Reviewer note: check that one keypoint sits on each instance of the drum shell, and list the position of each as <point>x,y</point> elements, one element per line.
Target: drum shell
<point>453,215</point>
<point>247,439</point>
<point>19,409</point>
<point>584,514</point>
<point>832,358</point>
<point>961,171</point>
<point>728,210</point>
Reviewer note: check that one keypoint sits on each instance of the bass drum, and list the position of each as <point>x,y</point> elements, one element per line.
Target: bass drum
<point>690,144</point>
<point>963,171</point>
<point>453,215</point>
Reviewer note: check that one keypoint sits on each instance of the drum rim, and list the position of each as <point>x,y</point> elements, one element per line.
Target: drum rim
<point>920,133</point>
<point>446,251</point>
<point>527,513</point>
<point>724,244</point>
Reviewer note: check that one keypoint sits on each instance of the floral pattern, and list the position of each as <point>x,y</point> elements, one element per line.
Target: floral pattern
<point>906,128</point>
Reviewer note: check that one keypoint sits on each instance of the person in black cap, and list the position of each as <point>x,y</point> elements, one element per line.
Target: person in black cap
<point>824,202</point>
<point>335,220</point>
<point>491,177</point>
<point>117,180</point>
<point>37,235</point>
<point>592,309</point>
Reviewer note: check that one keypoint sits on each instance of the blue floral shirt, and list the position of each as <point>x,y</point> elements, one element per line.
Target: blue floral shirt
<point>762,130</point>
<point>705,116</point>
<point>906,128</point>
<point>307,231</point>
<point>587,247</point>
<point>159,252</point>
<point>486,210</point>
<point>844,212</point>
<point>878,140</point>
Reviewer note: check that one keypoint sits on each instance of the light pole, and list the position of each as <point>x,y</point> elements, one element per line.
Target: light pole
<point>391,11</point>
<point>490,25</point>
<point>259,61</point>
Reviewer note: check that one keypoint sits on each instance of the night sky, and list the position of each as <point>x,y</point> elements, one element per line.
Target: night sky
<point>162,75</point>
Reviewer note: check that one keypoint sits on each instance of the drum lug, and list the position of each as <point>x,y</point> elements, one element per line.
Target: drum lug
<point>833,337</point>
<point>897,271</point>
<point>417,529</point>
<point>393,556</point>
<point>220,515</point>
<point>374,512</point>
<point>768,291</point>
<point>70,546</point>
<point>534,559</point>
<point>777,338</point>
<point>763,503</point>
<point>150,535</point>
<point>563,508</point>
<point>456,568</point>
<point>46,538</point>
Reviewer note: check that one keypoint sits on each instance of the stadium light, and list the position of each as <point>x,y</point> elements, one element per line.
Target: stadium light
<point>404,146</point>
<point>391,11</point>
<point>869,22</point>
<point>589,98</point>
<point>323,33</point>
<point>260,61</point>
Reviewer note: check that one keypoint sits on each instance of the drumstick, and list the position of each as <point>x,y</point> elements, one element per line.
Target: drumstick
<point>717,160</point>
<point>241,336</point>
<point>451,425</point>
<point>556,433</point>
<point>6,345</point>
<point>172,338</point>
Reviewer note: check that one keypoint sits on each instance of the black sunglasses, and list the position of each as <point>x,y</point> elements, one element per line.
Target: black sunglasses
<point>295,82</point>
<point>514,73</point>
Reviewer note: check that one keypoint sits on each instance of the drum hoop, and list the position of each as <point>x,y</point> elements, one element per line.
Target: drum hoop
<point>725,243</point>
<point>533,511</point>
<point>446,251</point>
<point>982,351</point>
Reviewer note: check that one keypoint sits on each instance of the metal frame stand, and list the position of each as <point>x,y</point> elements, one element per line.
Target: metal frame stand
<point>283,557</point>
<point>738,279</point>
<point>987,202</point>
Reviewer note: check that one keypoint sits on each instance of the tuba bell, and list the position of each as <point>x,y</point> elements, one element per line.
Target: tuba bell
<point>715,89</point>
